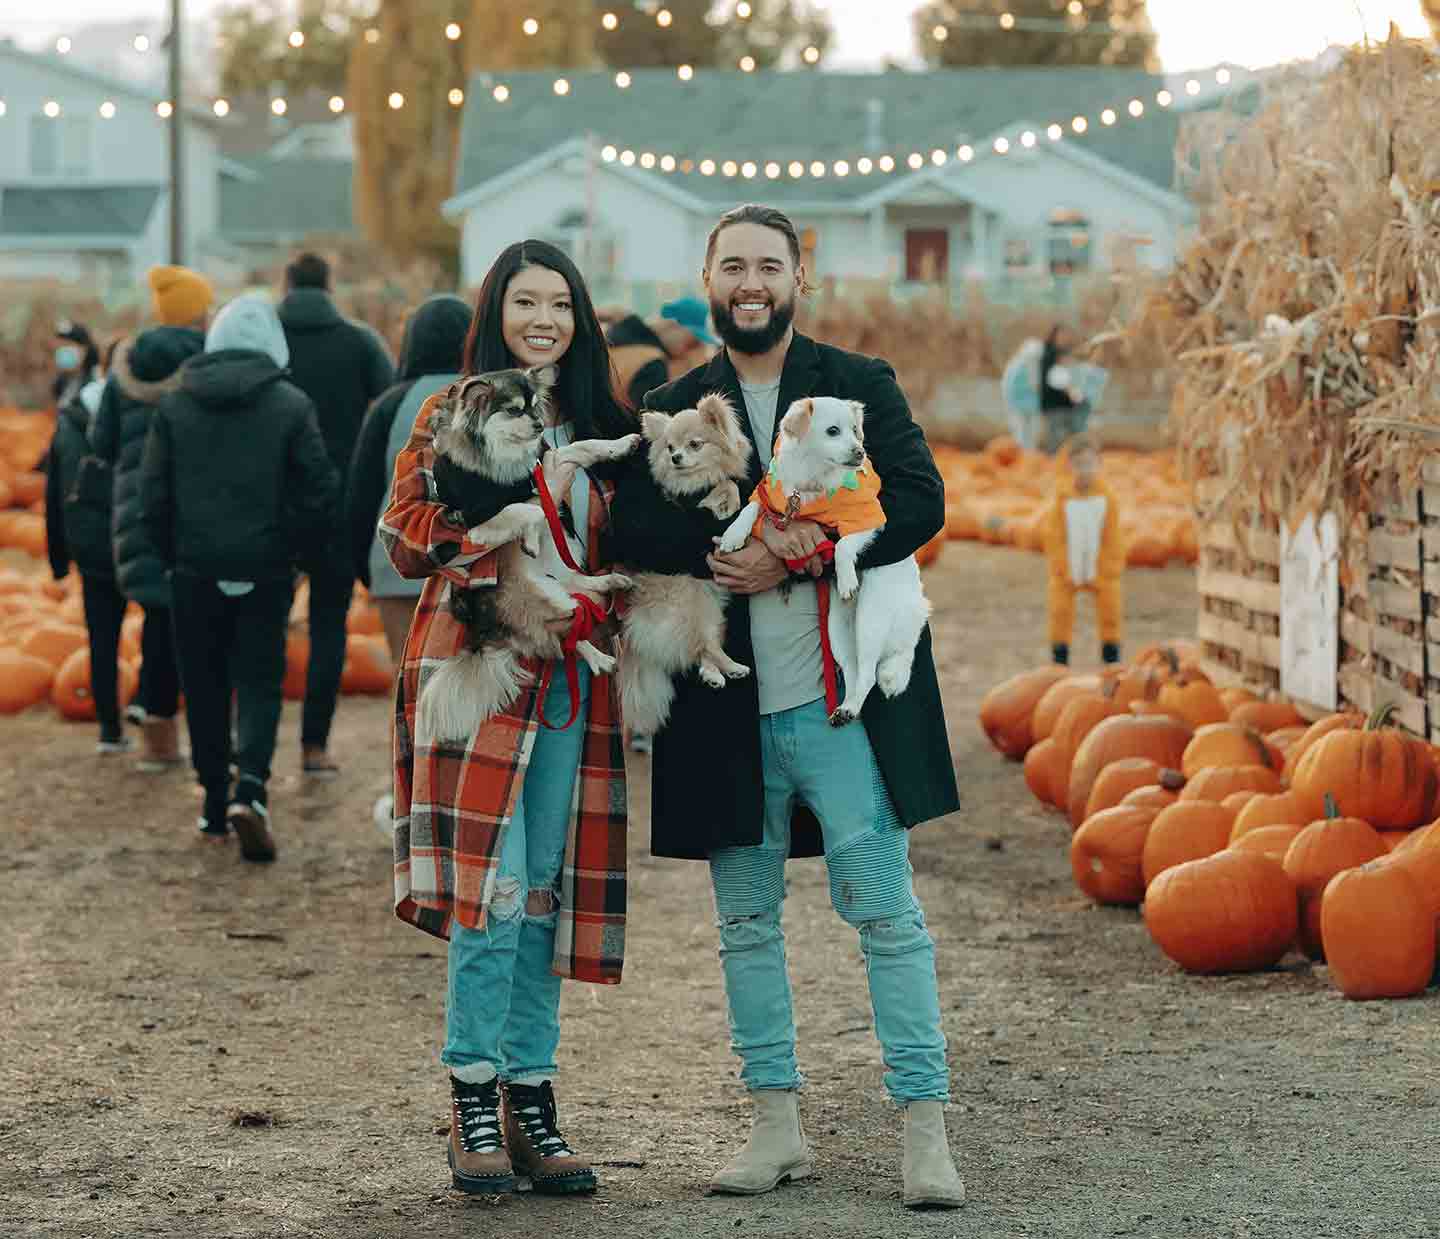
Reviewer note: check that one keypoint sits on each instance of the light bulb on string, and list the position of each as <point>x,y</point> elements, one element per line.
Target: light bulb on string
<point>609,154</point>
<point>610,21</point>
<point>396,101</point>
<point>456,97</point>
<point>796,169</point>
<point>164,109</point>
<point>1164,98</point>
<point>627,158</point>
<point>707,167</point>
<point>337,104</point>
<point>1055,132</point>
<point>1222,76</point>
<point>817,168</point>
<point>667,163</point>
<point>296,39</point>
<point>729,167</point>
<point>940,33</point>
<point>772,169</point>
<point>561,87</point>
<point>748,170</point>
<point>1028,139</point>
<point>916,160</point>
<point>811,55</point>
<point>1192,87</point>
<point>51,109</point>
<point>685,73</point>
<point>664,17</point>
<point>63,44</point>
<point>530,26</point>
<point>1107,117</point>
<point>278,106</point>
<point>966,153</point>
<point>622,80</point>
<point>501,93</point>
<point>887,163</point>
<point>938,157</point>
<point>452,31</point>
<point>743,10</point>
<point>372,35</point>
<point>647,160</point>
<point>864,166</point>
<point>107,110</point>
<point>221,107</point>
<point>1136,108</point>
<point>841,167</point>
<point>747,64</point>
<point>1007,21</point>
<point>141,43</point>
<point>1002,146</point>
<point>1079,124</point>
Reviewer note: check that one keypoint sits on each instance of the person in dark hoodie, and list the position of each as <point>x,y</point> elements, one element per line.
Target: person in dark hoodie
<point>146,368</point>
<point>430,358</point>
<point>235,474</point>
<point>77,531</point>
<point>648,352</point>
<point>342,366</point>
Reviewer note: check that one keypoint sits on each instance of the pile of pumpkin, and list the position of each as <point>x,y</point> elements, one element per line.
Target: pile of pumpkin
<point>1243,831</point>
<point>24,438</point>
<point>1000,495</point>
<point>45,650</point>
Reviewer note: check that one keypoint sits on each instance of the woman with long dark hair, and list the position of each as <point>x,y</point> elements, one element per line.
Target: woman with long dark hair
<point>511,844</point>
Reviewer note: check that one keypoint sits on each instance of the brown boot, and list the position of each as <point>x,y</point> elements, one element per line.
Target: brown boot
<point>479,1164</point>
<point>537,1148</point>
<point>161,737</point>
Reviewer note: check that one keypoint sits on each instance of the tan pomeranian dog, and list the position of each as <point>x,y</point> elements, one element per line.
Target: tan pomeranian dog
<point>820,472</point>
<point>673,623</point>
<point>491,427</point>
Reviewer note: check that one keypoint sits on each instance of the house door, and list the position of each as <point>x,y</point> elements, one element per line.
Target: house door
<point>927,255</point>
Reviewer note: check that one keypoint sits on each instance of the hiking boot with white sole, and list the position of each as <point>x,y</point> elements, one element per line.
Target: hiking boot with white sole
<point>479,1164</point>
<point>540,1154</point>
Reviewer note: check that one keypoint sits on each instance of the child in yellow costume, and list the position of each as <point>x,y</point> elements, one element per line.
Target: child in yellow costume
<point>1084,549</point>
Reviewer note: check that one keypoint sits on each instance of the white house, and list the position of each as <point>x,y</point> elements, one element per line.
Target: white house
<point>894,176</point>
<point>84,175</point>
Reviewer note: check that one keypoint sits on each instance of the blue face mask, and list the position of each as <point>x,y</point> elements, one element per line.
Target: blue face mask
<point>68,357</point>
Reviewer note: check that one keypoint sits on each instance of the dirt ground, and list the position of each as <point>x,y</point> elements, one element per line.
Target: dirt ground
<point>190,1046</point>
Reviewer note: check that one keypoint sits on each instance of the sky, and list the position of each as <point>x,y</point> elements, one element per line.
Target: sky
<point>1191,33</point>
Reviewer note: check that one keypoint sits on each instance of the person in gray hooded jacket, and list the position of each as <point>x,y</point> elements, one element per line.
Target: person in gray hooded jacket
<point>236,479</point>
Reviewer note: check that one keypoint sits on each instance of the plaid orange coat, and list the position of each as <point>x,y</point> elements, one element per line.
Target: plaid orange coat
<point>451,806</point>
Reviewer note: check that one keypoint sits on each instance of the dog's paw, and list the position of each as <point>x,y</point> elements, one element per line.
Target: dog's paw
<point>843,716</point>
<point>618,580</point>
<point>629,443</point>
<point>847,583</point>
<point>600,664</point>
<point>731,542</point>
<point>712,676</point>
<point>739,672</point>
<point>723,501</point>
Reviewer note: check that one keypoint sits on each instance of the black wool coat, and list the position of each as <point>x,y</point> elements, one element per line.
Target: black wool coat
<point>706,785</point>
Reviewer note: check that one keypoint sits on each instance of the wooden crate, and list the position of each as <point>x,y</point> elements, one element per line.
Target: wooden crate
<point>1389,606</point>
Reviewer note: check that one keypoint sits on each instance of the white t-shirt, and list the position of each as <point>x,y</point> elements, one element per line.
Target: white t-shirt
<point>784,624</point>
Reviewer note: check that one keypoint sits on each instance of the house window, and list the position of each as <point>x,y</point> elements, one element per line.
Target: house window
<point>1019,255</point>
<point>927,255</point>
<point>1070,242</point>
<point>60,147</point>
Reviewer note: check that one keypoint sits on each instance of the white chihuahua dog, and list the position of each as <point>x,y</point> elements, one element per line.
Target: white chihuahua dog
<point>820,472</point>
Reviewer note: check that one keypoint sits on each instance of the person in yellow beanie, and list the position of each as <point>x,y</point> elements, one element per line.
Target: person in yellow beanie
<point>181,297</point>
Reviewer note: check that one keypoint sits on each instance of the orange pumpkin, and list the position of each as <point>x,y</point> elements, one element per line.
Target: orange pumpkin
<point>1187,830</point>
<point>1159,738</point>
<point>1006,710</point>
<point>26,488</point>
<point>1267,716</point>
<point>1236,801</point>
<point>1422,861</point>
<point>925,556</point>
<point>1423,836</point>
<point>24,680</point>
<point>1045,771</point>
<point>1271,841</point>
<point>1284,738</point>
<point>1056,698</point>
<point>54,643</point>
<point>297,661</point>
<point>1228,744</point>
<point>71,691</point>
<point>1392,839</point>
<point>1079,718</point>
<point>1122,777</point>
<point>1158,796</point>
<point>1192,699</point>
<point>367,666</point>
<point>1379,932</point>
<point>1230,912</point>
<point>1380,774</point>
<point>1218,782</point>
<point>1105,854</point>
<point>1233,697</point>
<point>1320,851</point>
<point>1270,809</point>
<point>1316,732</point>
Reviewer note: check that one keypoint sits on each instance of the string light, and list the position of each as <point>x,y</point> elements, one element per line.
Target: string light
<point>164,109</point>
<point>817,168</point>
<point>1007,21</point>
<point>667,163</point>
<point>664,17</point>
<point>1002,146</point>
<point>141,43</point>
<point>966,153</point>
<point>372,35</point>
<point>729,167</point>
<point>396,101</point>
<point>456,97</point>
<point>1079,124</point>
<point>3,108</point>
<point>501,93</point>
<point>864,165</point>
<point>530,26</point>
<point>747,64</point>
<point>1027,139</point>
<point>1164,98</point>
<point>811,55</point>
<point>938,157</point>
<point>647,160</point>
<point>1107,117</point>
<point>297,38</point>
<point>337,104</point>
<point>887,163</point>
<point>107,110</point>
<point>622,80</point>
<point>685,73</point>
<point>1055,132</point>
<point>841,168</point>
<point>748,170</point>
<point>627,158</point>
<point>63,44</point>
<point>707,167</point>
<point>610,21</point>
<point>562,86</point>
<point>1075,8</point>
<point>278,106</point>
<point>772,169</point>
<point>452,31</point>
<point>940,33</point>
<point>221,107</point>
<point>1222,76</point>
<point>743,10</point>
<point>609,154</point>
<point>796,169</point>
<point>916,160</point>
<point>1192,87</point>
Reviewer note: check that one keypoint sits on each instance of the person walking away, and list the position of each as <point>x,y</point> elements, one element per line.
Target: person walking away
<point>649,352</point>
<point>1061,403</point>
<point>430,357</point>
<point>147,368</point>
<point>511,845</point>
<point>78,502</point>
<point>235,473</point>
<point>342,366</point>
<point>787,783</point>
<point>1084,550</point>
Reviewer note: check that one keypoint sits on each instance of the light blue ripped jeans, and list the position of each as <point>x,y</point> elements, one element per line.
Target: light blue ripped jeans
<point>502,1003</point>
<point>833,770</point>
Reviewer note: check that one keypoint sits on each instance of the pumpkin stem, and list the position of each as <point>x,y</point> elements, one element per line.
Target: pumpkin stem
<point>1332,810</point>
<point>1172,659</point>
<point>1171,780</point>
<point>1380,717</point>
<point>1266,758</point>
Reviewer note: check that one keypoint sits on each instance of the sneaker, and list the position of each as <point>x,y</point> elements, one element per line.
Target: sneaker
<point>479,1164</point>
<point>317,763</point>
<point>213,825</point>
<point>114,744</point>
<point>135,713</point>
<point>249,817</point>
<point>537,1149</point>
<point>382,814</point>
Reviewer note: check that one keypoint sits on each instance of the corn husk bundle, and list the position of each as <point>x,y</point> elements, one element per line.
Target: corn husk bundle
<point>1304,317</point>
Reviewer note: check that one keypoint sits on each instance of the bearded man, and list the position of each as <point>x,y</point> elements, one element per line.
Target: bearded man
<point>750,774</point>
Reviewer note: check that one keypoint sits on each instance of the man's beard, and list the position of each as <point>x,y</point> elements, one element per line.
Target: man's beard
<point>752,340</point>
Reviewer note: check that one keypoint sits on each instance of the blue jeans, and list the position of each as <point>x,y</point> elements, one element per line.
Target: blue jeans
<point>833,770</point>
<point>502,1002</point>
<point>1061,424</point>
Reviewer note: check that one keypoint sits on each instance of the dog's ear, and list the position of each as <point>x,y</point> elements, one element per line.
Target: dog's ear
<point>797,418</point>
<point>859,411</point>
<point>473,392</point>
<point>544,377</point>
<point>653,425</point>
<point>716,412</point>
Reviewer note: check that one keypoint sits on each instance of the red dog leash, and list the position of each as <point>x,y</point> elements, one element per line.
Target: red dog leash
<point>589,614</point>
<point>826,552</point>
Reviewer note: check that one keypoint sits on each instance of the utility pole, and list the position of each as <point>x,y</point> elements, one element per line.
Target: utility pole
<point>177,145</point>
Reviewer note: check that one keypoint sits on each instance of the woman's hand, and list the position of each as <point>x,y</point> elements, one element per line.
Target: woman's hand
<point>753,569</point>
<point>800,540</point>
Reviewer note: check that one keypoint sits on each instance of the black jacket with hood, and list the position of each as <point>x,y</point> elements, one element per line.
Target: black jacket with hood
<point>144,370</point>
<point>236,475</point>
<point>434,343</point>
<point>77,528</point>
<point>342,366</point>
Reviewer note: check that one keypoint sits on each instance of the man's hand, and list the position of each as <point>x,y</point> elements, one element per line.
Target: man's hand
<point>799,541</point>
<point>752,569</point>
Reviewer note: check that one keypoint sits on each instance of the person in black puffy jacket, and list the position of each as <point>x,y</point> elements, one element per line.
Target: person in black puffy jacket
<point>77,531</point>
<point>236,482</point>
<point>342,366</point>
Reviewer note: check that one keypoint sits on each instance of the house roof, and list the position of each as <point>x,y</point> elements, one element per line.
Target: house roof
<point>284,201</point>
<point>119,211</point>
<point>802,115</point>
<point>63,66</point>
